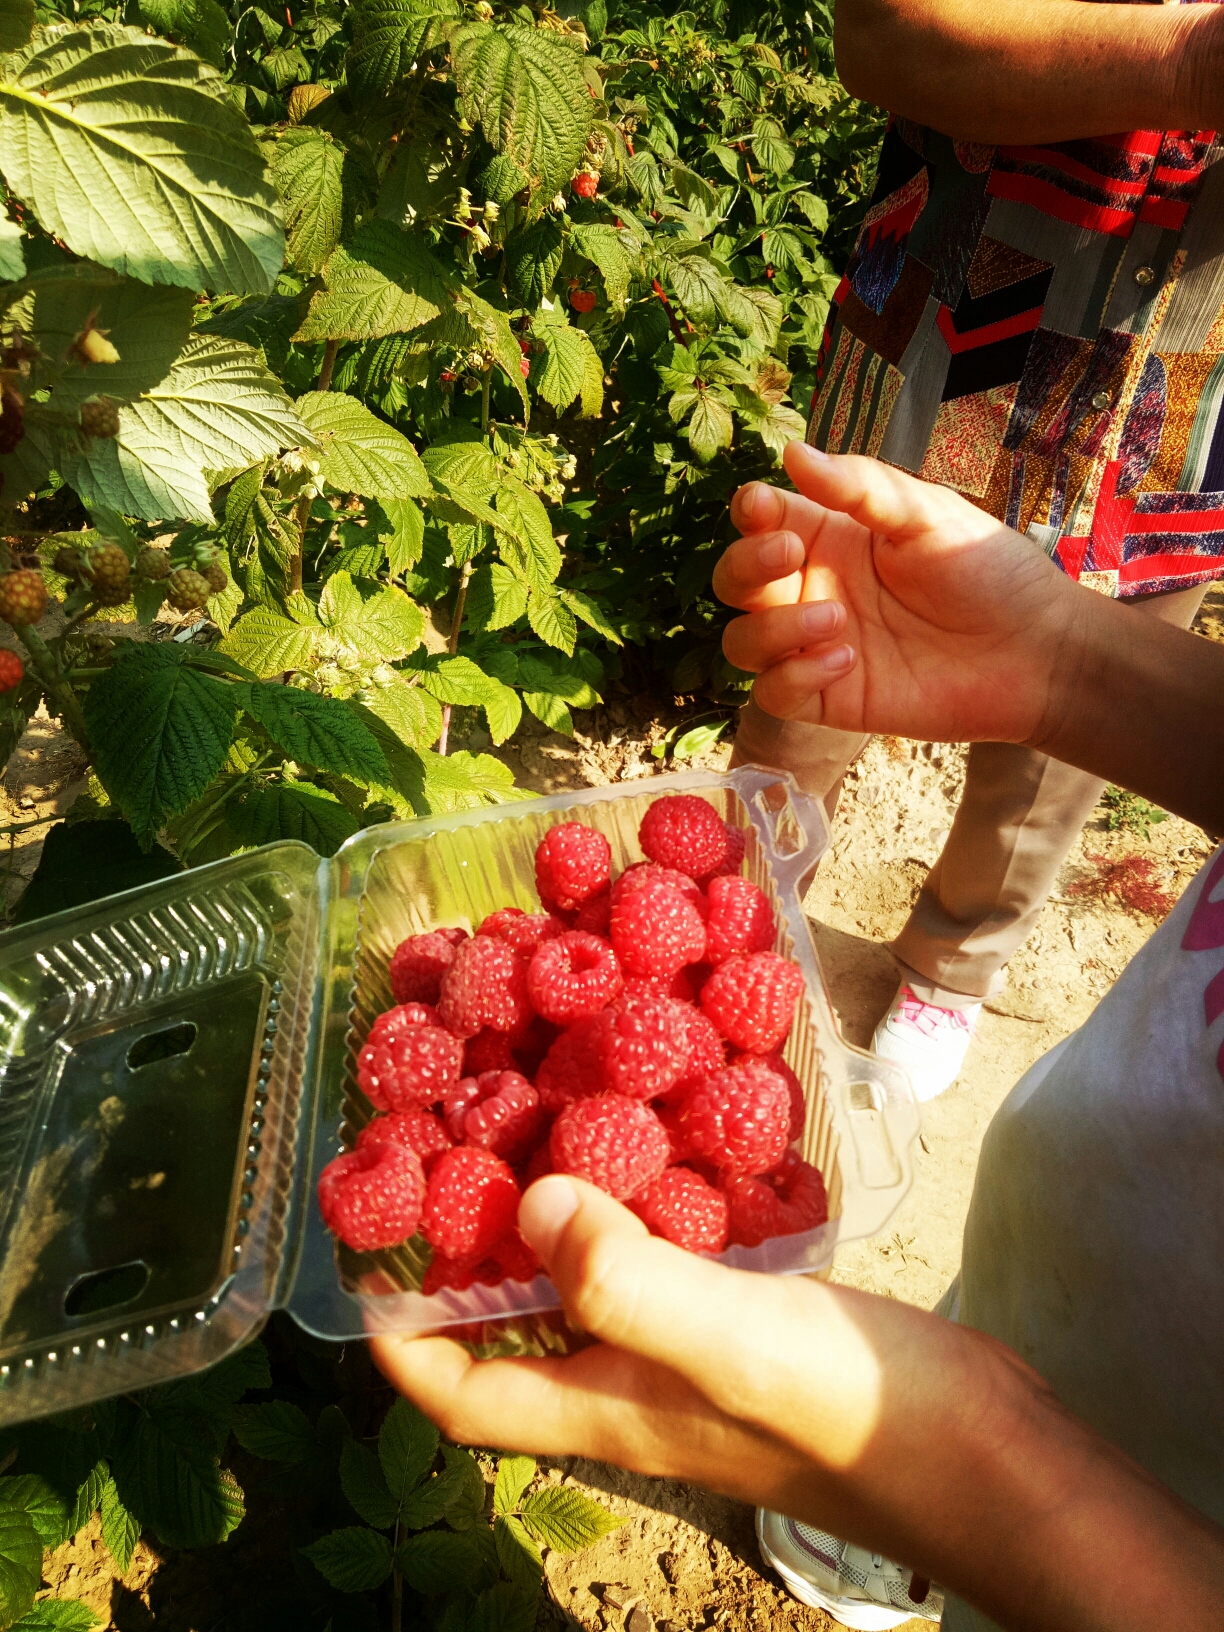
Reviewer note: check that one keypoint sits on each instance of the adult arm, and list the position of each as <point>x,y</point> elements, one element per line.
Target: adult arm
<point>858,1414</point>
<point>1045,71</point>
<point>933,620</point>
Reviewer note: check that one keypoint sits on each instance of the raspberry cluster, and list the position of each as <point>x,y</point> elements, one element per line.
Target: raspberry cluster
<point>629,1033</point>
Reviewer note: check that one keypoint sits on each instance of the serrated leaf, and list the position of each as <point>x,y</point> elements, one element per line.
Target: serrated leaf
<point>592,614</point>
<point>565,1520</point>
<point>698,285</point>
<point>400,524</point>
<point>314,730</point>
<point>352,1560</point>
<point>549,709</point>
<point>278,1431</point>
<point>711,427</point>
<point>604,247</point>
<point>407,1445</point>
<point>171,1482</point>
<point>464,781</point>
<point>57,1615</point>
<point>17,18</point>
<point>376,621</point>
<point>505,1607</point>
<point>303,98</point>
<point>517,1554</point>
<point>224,1385</point>
<point>21,1552</point>
<point>414,716</point>
<point>388,36</point>
<point>365,1486</point>
<point>502,708</point>
<point>308,166</point>
<point>464,463</point>
<point>533,259</point>
<point>545,671</point>
<point>533,552</point>
<point>558,372</point>
<point>773,152</point>
<point>501,178</point>
<point>201,25</point>
<point>360,452</point>
<point>432,1499</point>
<point>434,1562</point>
<point>452,679</point>
<point>88,1497</point>
<point>496,598</point>
<point>466,1512</point>
<point>12,253</point>
<point>382,281</point>
<point>552,620</point>
<point>514,1474</point>
<point>698,739</point>
<point>120,1529</point>
<point>267,643</point>
<point>754,313</point>
<point>161,732</point>
<point>292,810</point>
<point>131,150</point>
<point>48,1511</point>
<point>527,91</point>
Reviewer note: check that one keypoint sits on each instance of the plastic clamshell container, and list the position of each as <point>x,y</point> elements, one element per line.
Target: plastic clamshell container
<point>177,1066</point>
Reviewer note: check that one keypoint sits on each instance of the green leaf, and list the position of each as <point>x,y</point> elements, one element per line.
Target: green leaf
<point>698,285</point>
<point>363,1483</point>
<point>533,553</point>
<point>466,1511</point>
<point>17,19</point>
<point>433,1498</point>
<point>698,739</point>
<point>465,463</point>
<point>434,1562</point>
<point>517,1554</point>
<point>278,1431</point>
<point>314,730</point>
<point>604,246</point>
<point>173,1484</point>
<point>526,89</point>
<point>514,1474</point>
<point>21,1552</point>
<point>552,620</point>
<point>161,732</point>
<point>219,408</point>
<point>711,427</point>
<point>120,1529</point>
<point>201,25</point>
<point>381,281</point>
<point>504,1608</point>
<point>352,1560</point>
<point>464,781</point>
<point>12,253</point>
<point>592,614</point>
<point>376,621</point>
<point>452,679</point>
<point>388,36</point>
<point>48,1511</point>
<point>88,1496</point>
<point>414,715</point>
<point>308,167</point>
<point>773,152</point>
<point>407,1445</point>
<point>533,259</point>
<point>57,1615</point>
<point>292,810</point>
<point>550,711</point>
<point>565,1520</point>
<point>132,152</point>
<point>267,643</point>
<point>400,524</point>
<point>502,709</point>
<point>360,452</point>
<point>82,862</point>
<point>500,179</point>
<point>560,372</point>
<point>496,598</point>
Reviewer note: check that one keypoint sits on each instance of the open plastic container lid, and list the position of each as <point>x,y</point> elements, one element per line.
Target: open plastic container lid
<point>176,1067</point>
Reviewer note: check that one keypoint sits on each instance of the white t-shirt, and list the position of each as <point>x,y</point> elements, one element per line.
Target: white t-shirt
<point>1094,1245</point>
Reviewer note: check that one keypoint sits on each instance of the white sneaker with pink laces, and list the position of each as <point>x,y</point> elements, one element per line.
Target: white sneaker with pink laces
<point>930,1042</point>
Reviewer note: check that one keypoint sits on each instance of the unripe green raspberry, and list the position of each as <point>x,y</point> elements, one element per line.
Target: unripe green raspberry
<point>187,591</point>
<point>68,562</point>
<point>109,571</point>
<point>153,563</point>
<point>23,597</point>
<point>100,418</point>
<point>216,576</point>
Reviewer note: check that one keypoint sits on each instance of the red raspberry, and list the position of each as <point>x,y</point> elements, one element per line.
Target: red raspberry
<point>572,863</point>
<point>641,1046</point>
<point>685,832</point>
<point>12,672</point>
<point>499,1111</point>
<point>419,963</point>
<point>573,1066</point>
<point>594,916</point>
<point>372,1198</point>
<point>738,1119</point>
<point>752,998</point>
<point>572,977</point>
<point>487,1051</point>
<point>741,919</point>
<point>415,1129</point>
<point>486,985</point>
<point>787,1201</point>
<point>583,300</point>
<point>737,841</point>
<point>617,1143</point>
<point>413,1067</point>
<point>531,1045</point>
<point>517,1259</point>
<point>395,1022</point>
<point>586,183</point>
<point>524,931</point>
<point>681,1207</point>
<point>707,1053</point>
<point>668,1113</point>
<point>656,931</point>
<point>798,1099</point>
<point>682,987</point>
<point>510,1260</point>
<point>646,872</point>
<point>471,1202</point>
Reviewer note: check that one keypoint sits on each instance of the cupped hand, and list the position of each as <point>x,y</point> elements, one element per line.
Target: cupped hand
<point>878,602</point>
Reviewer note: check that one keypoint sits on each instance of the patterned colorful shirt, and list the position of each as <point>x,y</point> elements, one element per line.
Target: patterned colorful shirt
<point>1042,328</point>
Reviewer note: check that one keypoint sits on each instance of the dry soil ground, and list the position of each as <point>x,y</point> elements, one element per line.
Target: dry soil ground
<point>686,1559</point>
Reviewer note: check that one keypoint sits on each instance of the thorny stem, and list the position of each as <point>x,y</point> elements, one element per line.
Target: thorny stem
<point>301,514</point>
<point>484,400</point>
<point>58,688</point>
<point>672,321</point>
<point>452,647</point>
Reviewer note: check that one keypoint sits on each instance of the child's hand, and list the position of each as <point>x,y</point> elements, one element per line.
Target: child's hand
<point>879,602</point>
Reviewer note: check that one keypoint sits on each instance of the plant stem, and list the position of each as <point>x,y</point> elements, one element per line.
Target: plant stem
<point>58,688</point>
<point>452,647</point>
<point>301,514</point>
<point>484,400</point>
<point>676,330</point>
<point>397,1588</point>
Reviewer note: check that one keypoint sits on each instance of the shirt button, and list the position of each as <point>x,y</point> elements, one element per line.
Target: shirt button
<point>1145,275</point>
<point>1102,399</point>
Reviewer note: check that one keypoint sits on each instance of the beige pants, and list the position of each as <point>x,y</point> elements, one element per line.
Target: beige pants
<point>1018,817</point>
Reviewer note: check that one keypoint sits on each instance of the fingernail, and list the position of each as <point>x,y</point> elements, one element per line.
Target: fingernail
<point>839,659</point>
<point>778,554</point>
<point>807,451</point>
<point>545,1211</point>
<point>820,617</point>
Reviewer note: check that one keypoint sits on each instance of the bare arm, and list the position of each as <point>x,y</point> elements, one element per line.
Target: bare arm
<point>1035,72</point>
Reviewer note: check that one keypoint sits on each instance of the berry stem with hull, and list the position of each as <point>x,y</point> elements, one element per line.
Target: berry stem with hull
<point>302,514</point>
<point>453,646</point>
<point>58,689</point>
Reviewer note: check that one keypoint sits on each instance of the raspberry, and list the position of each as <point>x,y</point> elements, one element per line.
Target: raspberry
<point>510,1260</point>
<point>738,1119</point>
<point>151,563</point>
<point>418,964</point>
<point>583,300</point>
<point>656,931</point>
<point>517,1259</point>
<point>524,931</point>
<point>646,872</point>
<point>23,597</point>
<point>500,1111</point>
<point>415,1128</point>
<point>617,1143</point>
<point>372,1198</point>
<point>681,986</point>
<point>12,419</point>
<point>216,577</point>
<point>707,1052</point>
<point>109,569</point>
<point>414,1066</point>
<point>186,590</point>
<point>681,1207</point>
<point>394,1022</point>
<point>798,1100</point>
<point>531,1045</point>
<point>786,1201</point>
<point>641,1046</point>
<point>487,1051</point>
<point>572,1068</point>
<point>684,832</point>
<point>486,985</point>
<point>752,998</point>
<point>572,863</point>
<point>586,183</point>
<point>594,916</point>
<point>741,919</point>
<point>471,1202</point>
<point>737,841</point>
<point>12,673</point>
<point>573,977</point>
<point>100,418</point>
<point>68,562</point>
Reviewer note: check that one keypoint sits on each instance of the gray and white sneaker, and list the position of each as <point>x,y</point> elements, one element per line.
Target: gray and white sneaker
<point>858,1589</point>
